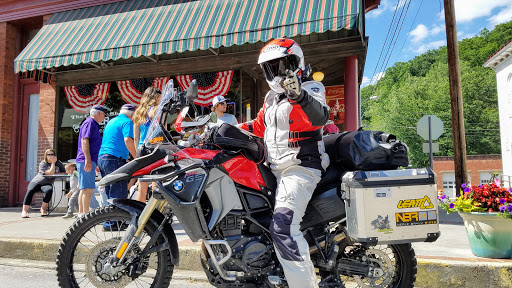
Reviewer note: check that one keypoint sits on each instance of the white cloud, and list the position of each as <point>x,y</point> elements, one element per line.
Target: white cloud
<point>437,29</point>
<point>377,77</point>
<point>428,46</point>
<point>419,33</point>
<point>461,35</point>
<point>365,82</point>
<point>504,15</point>
<point>468,10</point>
<point>385,5</point>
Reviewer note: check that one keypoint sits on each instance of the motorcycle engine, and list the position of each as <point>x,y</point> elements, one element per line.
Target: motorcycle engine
<point>249,253</point>
<point>256,255</point>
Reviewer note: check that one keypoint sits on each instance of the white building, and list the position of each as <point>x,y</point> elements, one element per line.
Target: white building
<point>501,63</point>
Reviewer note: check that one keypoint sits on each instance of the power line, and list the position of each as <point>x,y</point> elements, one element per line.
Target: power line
<point>398,34</point>
<point>383,45</point>
<point>388,52</point>
<point>410,29</point>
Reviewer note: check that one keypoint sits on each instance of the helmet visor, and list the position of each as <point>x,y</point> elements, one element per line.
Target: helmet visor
<point>278,67</point>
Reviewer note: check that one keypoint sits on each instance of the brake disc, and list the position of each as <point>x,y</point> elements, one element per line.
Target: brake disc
<point>381,270</point>
<point>97,258</point>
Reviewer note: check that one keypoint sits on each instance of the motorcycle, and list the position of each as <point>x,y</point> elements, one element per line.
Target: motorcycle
<point>223,197</point>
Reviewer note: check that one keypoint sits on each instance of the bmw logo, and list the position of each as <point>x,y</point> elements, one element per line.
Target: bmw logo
<point>178,185</point>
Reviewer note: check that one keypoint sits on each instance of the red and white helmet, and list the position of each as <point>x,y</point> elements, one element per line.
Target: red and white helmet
<point>278,56</point>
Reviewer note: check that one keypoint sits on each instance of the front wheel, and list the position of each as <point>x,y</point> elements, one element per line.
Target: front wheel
<point>92,240</point>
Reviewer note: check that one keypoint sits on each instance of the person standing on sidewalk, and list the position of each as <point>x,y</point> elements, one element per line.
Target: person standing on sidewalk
<point>89,143</point>
<point>73,193</point>
<point>116,147</point>
<point>141,121</point>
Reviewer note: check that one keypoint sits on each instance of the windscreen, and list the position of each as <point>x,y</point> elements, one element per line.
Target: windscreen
<point>156,135</point>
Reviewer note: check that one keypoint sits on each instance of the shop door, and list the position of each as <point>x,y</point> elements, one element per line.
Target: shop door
<point>27,148</point>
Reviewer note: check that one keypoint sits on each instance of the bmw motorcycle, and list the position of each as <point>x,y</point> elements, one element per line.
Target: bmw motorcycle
<point>223,197</point>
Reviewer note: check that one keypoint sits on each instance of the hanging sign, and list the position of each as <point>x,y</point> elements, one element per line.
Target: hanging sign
<point>335,98</point>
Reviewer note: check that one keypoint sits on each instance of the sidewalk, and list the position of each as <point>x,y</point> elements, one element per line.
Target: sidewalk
<point>448,262</point>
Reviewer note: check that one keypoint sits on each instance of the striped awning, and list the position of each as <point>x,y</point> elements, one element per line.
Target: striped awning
<point>151,27</point>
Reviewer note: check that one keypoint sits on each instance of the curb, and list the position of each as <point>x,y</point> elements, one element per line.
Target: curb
<point>431,272</point>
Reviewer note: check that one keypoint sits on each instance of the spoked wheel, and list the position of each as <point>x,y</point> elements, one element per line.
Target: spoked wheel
<point>87,247</point>
<point>391,266</point>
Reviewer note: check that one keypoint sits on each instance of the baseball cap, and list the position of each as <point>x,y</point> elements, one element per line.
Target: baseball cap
<point>128,107</point>
<point>99,108</point>
<point>218,99</point>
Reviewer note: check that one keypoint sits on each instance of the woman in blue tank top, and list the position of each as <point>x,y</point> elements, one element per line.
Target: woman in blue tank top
<point>141,121</point>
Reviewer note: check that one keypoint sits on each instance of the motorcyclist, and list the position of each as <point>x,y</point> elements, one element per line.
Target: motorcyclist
<point>290,122</point>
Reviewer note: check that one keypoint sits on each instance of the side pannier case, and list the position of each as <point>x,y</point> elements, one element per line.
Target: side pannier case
<point>391,206</point>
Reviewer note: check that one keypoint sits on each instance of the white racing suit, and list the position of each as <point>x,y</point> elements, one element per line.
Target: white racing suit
<point>292,131</point>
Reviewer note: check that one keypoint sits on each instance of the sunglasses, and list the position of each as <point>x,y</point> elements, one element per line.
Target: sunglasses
<point>223,103</point>
<point>50,154</point>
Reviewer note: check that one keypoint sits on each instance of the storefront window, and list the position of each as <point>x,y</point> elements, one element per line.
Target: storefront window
<point>69,121</point>
<point>70,118</point>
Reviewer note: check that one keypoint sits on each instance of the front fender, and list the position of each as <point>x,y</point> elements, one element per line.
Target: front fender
<point>135,209</point>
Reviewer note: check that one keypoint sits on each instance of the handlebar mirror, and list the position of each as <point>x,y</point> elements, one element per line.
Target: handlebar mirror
<point>192,93</point>
<point>213,117</point>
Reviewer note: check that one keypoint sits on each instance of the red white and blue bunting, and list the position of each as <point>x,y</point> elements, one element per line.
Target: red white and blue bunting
<point>209,85</point>
<point>132,90</point>
<point>83,97</point>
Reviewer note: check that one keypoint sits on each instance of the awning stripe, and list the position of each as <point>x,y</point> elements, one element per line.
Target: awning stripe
<point>152,27</point>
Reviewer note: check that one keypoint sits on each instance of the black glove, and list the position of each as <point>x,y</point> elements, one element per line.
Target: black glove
<point>291,85</point>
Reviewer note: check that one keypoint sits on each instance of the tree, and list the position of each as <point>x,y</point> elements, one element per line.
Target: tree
<point>420,87</point>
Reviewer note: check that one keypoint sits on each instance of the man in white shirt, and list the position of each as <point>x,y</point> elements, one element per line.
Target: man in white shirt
<point>219,107</point>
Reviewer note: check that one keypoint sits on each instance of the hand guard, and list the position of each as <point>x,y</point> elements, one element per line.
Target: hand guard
<point>291,84</point>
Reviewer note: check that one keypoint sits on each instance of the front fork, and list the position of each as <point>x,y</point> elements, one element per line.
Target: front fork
<point>134,230</point>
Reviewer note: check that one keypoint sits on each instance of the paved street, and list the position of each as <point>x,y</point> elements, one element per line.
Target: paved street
<point>42,275</point>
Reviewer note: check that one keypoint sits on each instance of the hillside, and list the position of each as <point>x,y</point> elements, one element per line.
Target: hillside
<point>420,87</point>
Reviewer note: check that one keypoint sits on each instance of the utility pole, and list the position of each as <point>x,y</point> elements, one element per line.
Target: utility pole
<point>459,137</point>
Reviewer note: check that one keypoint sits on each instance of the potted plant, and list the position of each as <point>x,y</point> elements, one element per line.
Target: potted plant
<point>487,214</point>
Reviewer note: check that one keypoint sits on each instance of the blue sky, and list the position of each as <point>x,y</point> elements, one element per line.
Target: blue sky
<point>427,31</point>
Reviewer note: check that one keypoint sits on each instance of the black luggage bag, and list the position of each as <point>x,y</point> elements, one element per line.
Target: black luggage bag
<point>366,150</point>
<point>232,138</point>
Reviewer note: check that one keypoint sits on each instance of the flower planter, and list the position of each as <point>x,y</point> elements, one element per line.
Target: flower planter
<point>489,235</point>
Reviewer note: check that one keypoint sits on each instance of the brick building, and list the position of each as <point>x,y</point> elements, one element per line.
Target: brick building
<point>479,169</point>
<point>47,45</point>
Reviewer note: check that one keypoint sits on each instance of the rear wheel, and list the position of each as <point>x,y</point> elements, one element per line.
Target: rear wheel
<point>87,247</point>
<point>391,266</point>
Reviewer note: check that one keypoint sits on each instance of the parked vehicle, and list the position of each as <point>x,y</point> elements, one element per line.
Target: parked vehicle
<point>219,189</point>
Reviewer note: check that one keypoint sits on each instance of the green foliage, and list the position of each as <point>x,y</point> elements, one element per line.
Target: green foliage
<point>421,87</point>
<point>461,204</point>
